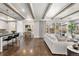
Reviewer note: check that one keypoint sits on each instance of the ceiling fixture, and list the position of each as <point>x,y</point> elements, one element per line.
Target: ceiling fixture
<point>9,18</point>
<point>23,10</point>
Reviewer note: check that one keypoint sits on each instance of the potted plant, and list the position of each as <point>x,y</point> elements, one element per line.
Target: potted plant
<point>71,28</point>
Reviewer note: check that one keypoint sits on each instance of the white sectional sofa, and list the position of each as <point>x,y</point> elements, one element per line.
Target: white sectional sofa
<point>55,46</point>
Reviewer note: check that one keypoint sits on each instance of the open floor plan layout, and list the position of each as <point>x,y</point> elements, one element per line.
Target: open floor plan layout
<point>39,29</point>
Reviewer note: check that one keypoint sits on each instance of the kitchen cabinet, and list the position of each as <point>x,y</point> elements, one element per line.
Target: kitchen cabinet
<point>3,25</point>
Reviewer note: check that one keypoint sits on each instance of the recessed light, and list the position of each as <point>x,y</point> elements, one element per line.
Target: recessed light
<point>23,10</point>
<point>24,51</point>
<point>31,50</point>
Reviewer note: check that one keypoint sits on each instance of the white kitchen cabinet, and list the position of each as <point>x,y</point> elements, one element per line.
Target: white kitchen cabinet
<point>3,24</point>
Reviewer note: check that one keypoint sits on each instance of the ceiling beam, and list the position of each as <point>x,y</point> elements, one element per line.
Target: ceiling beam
<point>63,10</point>
<point>70,14</point>
<point>13,10</point>
<point>30,8</point>
<point>3,20</point>
<point>7,15</point>
<point>48,7</point>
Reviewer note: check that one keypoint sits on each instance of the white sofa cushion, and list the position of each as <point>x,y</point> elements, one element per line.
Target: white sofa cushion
<point>53,37</point>
<point>77,37</point>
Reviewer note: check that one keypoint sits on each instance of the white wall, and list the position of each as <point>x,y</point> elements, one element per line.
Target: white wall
<point>36,26</point>
<point>39,29</point>
<point>20,26</point>
<point>11,26</point>
<point>36,29</point>
<point>3,24</point>
<point>42,28</point>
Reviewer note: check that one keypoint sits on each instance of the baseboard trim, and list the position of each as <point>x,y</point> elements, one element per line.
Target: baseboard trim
<point>38,38</point>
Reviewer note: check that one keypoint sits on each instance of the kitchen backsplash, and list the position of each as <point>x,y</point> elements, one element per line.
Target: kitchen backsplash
<point>3,31</point>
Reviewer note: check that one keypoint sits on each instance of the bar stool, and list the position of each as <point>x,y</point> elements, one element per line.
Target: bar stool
<point>17,34</point>
<point>7,40</point>
<point>15,37</point>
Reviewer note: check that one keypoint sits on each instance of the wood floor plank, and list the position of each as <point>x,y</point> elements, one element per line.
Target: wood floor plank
<point>33,47</point>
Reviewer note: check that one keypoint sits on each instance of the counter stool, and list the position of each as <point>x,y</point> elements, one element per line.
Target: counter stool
<point>13,38</point>
<point>7,40</point>
<point>17,35</point>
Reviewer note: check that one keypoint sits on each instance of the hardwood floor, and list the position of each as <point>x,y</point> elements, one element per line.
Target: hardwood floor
<point>32,47</point>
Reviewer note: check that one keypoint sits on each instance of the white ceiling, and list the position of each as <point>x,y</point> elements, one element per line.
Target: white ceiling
<point>72,17</point>
<point>38,9</point>
<point>8,11</point>
<point>69,11</point>
<point>5,18</point>
<point>55,8</point>
<point>19,11</point>
<point>22,10</point>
